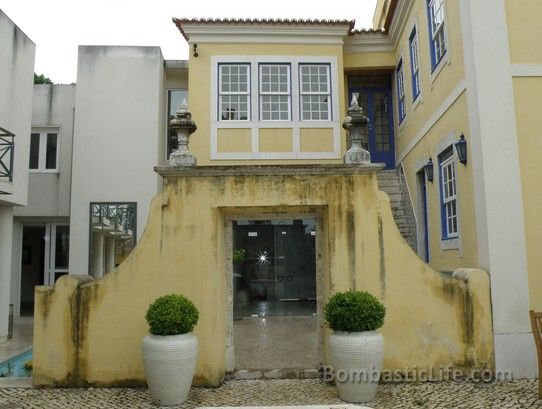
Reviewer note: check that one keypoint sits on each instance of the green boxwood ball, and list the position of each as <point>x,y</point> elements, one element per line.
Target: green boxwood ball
<point>172,314</point>
<point>354,311</point>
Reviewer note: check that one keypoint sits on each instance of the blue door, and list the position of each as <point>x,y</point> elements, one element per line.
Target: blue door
<point>376,103</point>
<point>423,198</point>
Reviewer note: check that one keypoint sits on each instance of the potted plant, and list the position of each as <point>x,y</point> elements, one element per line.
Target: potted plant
<point>170,351</point>
<point>356,349</point>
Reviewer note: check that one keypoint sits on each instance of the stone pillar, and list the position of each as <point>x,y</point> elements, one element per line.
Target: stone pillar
<point>356,126</point>
<point>109,254</point>
<point>97,261</point>
<point>6,235</point>
<point>184,126</point>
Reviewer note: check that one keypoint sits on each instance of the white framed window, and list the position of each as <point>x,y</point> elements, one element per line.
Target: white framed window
<point>448,195</point>
<point>273,89</point>
<point>414,63</point>
<point>44,150</point>
<point>400,79</point>
<point>275,93</point>
<point>234,92</point>
<point>437,21</point>
<point>315,92</point>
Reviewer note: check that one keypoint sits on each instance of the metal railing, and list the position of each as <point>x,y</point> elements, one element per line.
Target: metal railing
<point>7,150</point>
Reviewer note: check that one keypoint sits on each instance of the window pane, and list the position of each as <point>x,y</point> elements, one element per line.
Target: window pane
<point>113,235</point>
<point>34,151</point>
<point>62,246</point>
<point>50,154</point>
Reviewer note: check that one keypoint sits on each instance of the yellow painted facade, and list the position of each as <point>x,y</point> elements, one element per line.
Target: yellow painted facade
<point>361,249</point>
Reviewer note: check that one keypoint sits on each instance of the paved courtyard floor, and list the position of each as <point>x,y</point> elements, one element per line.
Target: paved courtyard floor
<point>514,394</point>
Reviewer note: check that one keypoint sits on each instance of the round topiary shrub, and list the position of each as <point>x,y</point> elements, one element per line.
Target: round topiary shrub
<point>172,314</point>
<point>354,311</point>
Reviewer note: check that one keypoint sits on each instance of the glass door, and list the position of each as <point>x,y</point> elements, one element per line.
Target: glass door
<point>376,104</point>
<point>57,251</point>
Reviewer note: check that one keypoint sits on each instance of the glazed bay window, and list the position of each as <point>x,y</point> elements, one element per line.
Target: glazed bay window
<point>234,92</point>
<point>315,92</point>
<point>44,150</point>
<point>175,98</point>
<point>437,34</point>
<point>448,195</point>
<point>274,107</point>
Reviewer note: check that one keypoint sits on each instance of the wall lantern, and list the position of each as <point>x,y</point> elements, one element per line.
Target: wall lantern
<point>461,149</point>
<point>429,170</point>
<point>195,48</point>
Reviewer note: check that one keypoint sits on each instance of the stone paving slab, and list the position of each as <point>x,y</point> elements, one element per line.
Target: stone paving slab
<point>448,395</point>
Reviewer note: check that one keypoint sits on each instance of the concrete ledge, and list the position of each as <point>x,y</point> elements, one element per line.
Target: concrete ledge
<point>268,170</point>
<point>16,383</point>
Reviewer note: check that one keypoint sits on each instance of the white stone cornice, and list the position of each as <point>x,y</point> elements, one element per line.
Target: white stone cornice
<point>367,42</point>
<point>402,11</point>
<point>264,33</point>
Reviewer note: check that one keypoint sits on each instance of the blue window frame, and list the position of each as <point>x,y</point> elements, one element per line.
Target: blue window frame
<point>400,79</point>
<point>448,195</point>
<point>437,36</point>
<point>414,63</point>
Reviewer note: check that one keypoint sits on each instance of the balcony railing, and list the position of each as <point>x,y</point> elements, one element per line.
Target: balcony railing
<point>7,150</point>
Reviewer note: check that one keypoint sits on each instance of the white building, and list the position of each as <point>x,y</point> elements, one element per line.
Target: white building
<point>89,150</point>
<point>16,77</point>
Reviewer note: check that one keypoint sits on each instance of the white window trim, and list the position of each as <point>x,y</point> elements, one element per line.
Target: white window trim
<point>455,243</point>
<point>451,164</point>
<point>445,60</point>
<point>295,124</point>
<point>395,95</point>
<point>287,93</point>
<point>43,131</point>
<point>418,99</point>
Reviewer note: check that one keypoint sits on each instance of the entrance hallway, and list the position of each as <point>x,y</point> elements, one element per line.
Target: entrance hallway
<point>263,343</point>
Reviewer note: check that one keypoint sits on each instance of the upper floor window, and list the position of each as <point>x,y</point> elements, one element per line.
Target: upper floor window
<point>274,92</point>
<point>399,73</point>
<point>315,92</point>
<point>234,92</point>
<point>275,95</point>
<point>448,194</point>
<point>272,107</point>
<point>437,21</point>
<point>44,150</point>
<point>175,98</point>
<point>414,64</point>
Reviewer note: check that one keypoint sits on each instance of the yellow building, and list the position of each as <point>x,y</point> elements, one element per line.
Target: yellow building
<point>449,88</point>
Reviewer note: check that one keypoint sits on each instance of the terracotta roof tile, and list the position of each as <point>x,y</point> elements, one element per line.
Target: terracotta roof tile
<point>271,21</point>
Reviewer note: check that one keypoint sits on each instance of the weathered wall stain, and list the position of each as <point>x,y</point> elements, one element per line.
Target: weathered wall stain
<point>181,251</point>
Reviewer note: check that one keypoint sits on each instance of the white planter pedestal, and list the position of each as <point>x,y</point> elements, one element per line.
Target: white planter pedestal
<point>170,364</point>
<point>356,358</point>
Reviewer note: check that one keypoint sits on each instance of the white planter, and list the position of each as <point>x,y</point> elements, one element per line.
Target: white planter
<point>170,363</point>
<point>356,358</point>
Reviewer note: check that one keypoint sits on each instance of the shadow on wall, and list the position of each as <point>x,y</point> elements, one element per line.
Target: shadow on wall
<point>89,332</point>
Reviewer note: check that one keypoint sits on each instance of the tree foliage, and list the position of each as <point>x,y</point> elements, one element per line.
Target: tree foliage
<point>42,79</point>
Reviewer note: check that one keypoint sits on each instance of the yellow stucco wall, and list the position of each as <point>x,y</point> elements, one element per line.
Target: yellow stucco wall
<point>526,91</point>
<point>419,137</point>
<point>451,124</point>
<point>524,31</point>
<point>369,60</point>
<point>432,319</point>
<point>200,100</point>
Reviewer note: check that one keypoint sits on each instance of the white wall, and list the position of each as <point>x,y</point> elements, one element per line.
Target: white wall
<point>16,79</point>
<point>49,193</point>
<point>119,111</point>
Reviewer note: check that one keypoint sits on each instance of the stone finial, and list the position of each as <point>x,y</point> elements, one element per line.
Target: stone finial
<point>356,125</point>
<point>183,125</point>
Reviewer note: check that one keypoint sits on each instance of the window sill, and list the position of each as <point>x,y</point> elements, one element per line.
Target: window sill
<point>46,171</point>
<point>445,60</point>
<point>417,101</point>
<point>450,244</point>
